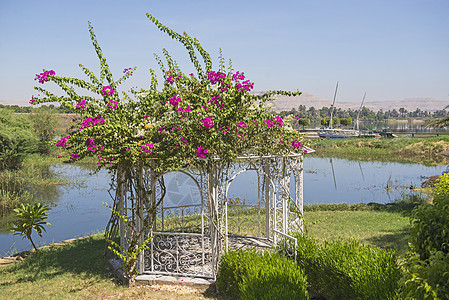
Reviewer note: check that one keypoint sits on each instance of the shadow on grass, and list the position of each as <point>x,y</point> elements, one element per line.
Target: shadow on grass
<point>82,257</point>
<point>397,240</point>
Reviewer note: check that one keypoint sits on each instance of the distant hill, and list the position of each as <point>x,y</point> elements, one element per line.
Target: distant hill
<point>307,99</point>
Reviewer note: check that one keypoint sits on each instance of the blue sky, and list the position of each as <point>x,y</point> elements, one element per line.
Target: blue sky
<point>391,49</point>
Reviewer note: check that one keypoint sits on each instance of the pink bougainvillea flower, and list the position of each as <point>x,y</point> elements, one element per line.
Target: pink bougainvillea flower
<point>296,144</point>
<point>107,91</point>
<point>282,142</point>
<point>128,70</point>
<point>81,104</point>
<point>74,156</point>
<point>175,100</point>
<point>216,77</point>
<point>90,143</point>
<point>63,142</point>
<point>147,147</point>
<point>238,76</point>
<point>279,121</point>
<point>184,109</point>
<point>305,151</point>
<point>45,76</point>
<point>89,122</point>
<point>112,104</point>
<point>269,123</point>
<point>207,122</point>
<point>201,152</point>
<point>241,124</point>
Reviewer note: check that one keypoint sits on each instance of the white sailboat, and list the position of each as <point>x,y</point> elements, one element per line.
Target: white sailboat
<point>337,133</point>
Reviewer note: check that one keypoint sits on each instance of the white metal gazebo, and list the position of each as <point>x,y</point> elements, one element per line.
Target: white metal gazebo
<point>189,238</point>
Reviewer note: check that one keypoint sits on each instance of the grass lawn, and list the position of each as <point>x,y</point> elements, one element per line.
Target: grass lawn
<point>379,228</point>
<point>77,270</point>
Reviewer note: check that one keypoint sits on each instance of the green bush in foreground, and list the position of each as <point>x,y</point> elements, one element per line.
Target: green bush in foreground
<point>427,267</point>
<point>251,275</point>
<point>348,269</point>
<point>427,279</point>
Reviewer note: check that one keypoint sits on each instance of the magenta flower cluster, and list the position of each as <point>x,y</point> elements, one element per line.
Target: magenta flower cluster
<point>216,77</point>
<point>88,122</point>
<point>45,76</point>
<point>207,122</point>
<point>241,124</point>
<point>296,144</point>
<point>90,143</point>
<point>81,104</point>
<point>107,91</point>
<point>184,109</point>
<point>269,123</point>
<point>279,121</point>
<point>128,70</point>
<point>245,85</point>
<point>175,100</point>
<point>63,142</point>
<point>201,152</point>
<point>147,147</point>
<point>74,156</point>
<point>171,78</point>
<point>112,104</point>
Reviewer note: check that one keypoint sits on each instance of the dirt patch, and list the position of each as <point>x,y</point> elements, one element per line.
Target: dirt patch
<point>430,182</point>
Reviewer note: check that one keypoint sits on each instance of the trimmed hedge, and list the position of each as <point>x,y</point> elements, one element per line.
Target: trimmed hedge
<point>348,270</point>
<point>252,275</point>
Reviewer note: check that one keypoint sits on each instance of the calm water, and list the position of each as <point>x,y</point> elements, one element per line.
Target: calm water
<point>79,210</point>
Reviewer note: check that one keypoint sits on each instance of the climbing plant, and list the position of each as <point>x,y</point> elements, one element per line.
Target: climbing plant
<point>188,121</point>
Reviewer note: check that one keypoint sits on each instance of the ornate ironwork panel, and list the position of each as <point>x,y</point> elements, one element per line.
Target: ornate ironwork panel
<point>179,254</point>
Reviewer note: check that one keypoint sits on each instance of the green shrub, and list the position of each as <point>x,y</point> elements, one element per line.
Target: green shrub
<point>426,279</point>
<point>251,275</point>
<point>16,140</point>
<point>430,223</point>
<point>348,269</point>
<point>426,273</point>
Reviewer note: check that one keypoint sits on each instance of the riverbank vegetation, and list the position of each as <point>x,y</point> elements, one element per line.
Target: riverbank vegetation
<point>25,159</point>
<point>427,151</point>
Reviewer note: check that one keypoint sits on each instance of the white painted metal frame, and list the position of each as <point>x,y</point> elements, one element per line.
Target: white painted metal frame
<point>198,253</point>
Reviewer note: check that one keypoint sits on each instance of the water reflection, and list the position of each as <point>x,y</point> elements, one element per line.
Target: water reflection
<point>77,209</point>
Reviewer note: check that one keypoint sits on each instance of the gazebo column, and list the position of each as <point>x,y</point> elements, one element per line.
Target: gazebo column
<point>121,205</point>
<point>140,194</point>
<point>266,194</point>
<point>298,170</point>
<point>212,196</point>
<point>285,194</point>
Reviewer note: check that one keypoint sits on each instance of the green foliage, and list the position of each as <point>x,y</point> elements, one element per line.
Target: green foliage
<point>44,123</point>
<point>430,223</point>
<point>348,269</point>
<point>13,190</point>
<point>346,121</point>
<point>426,279</point>
<point>252,275</point>
<point>130,253</point>
<point>303,122</point>
<point>207,111</point>
<point>326,121</point>
<point>29,218</point>
<point>427,267</point>
<point>16,140</point>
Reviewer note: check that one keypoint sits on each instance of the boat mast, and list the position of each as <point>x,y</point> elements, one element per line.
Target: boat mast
<point>332,106</point>
<point>358,114</point>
